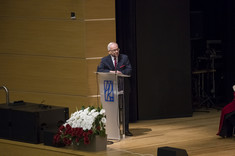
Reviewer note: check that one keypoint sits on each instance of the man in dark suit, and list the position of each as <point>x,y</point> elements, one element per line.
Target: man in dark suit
<point>119,64</point>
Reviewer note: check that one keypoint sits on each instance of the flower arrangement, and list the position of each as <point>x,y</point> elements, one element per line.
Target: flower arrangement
<point>81,127</point>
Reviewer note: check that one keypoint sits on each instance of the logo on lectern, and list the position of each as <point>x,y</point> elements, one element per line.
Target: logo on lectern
<point>108,91</point>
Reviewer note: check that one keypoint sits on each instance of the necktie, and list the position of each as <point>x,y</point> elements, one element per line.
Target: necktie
<point>115,63</point>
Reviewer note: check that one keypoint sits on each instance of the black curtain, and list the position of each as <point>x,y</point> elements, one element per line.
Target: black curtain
<point>126,38</point>
<point>164,59</point>
<point>229,31</point>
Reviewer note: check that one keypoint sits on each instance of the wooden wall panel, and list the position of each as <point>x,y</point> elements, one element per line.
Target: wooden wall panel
<point>92,77</point>
<point>42,37</point>
<point>100,9</point>
<point>55,9</point>
<point>94,101</point>
<point>98,35</point>
<point>46,56</point>
<point>44,74</point>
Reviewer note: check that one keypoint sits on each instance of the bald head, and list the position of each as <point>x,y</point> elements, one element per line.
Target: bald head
<point>113,49</point>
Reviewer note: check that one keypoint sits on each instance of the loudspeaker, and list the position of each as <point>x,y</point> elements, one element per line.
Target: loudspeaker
<point>27,122</point>
<point>170,151</point>
<point>48,140</point>
<point>5,118</point>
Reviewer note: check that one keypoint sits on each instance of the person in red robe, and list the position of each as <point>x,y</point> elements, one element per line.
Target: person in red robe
<point>224,126</point>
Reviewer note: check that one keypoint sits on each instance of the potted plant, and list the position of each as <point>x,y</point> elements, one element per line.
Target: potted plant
<point>82,129</point>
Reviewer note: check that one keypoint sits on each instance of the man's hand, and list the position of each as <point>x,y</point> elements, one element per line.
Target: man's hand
<point>117,72</point>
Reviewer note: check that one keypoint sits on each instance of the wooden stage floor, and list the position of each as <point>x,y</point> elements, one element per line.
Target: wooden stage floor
<point>197,135</point>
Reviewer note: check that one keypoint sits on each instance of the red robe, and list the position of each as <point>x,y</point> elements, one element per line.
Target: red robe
<point>227,109</point>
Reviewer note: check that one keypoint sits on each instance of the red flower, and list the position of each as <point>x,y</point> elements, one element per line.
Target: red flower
<point>73,132</point>
<point>85,134</point>
<point>90,132</point>
<point>68,129</point>
<point>67,141</point>
<point>77,140</point>
<point>86,140</point>
<point>79,132</point>
<point>56,138</point>
<point>61,128</point>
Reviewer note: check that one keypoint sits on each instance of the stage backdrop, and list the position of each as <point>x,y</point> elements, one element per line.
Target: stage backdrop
<point>163,59</point>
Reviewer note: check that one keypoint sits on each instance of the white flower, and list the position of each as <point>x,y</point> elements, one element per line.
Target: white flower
<point>102,111</point>
<point>85,118</point>
<point>92,111</point>
<point>103,120</point>
<point>95,114</point>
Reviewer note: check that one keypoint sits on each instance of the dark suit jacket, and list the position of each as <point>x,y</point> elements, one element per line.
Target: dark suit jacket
<point>123,65</point>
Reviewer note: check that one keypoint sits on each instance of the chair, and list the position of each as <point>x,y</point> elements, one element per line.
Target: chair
<point>228,128</point>
<point>231,122</point>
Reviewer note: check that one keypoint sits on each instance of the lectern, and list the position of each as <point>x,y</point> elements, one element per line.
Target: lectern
<point>111,86</point>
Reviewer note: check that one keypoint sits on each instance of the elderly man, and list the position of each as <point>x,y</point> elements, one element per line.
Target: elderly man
<point>115,62</point>
<point>119,64</point>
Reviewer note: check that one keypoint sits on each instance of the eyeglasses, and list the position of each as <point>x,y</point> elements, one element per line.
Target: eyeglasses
<point>114,50</point>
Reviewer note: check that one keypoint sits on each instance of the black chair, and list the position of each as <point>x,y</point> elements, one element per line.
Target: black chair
<point>231,121</point>
<point>228,128</point>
